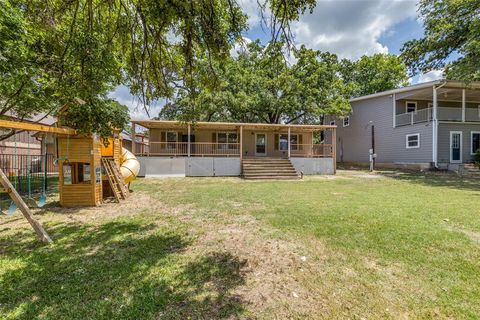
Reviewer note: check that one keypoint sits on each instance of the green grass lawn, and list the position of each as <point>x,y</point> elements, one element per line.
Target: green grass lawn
<point>392,245</point>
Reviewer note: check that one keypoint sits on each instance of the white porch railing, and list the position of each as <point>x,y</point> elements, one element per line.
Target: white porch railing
<point>472,114</point>
<point>443,114</point>
<point>449,114</point>
<point>422,115</point>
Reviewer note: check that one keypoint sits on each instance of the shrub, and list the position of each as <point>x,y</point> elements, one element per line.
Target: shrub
<point>477,158</point>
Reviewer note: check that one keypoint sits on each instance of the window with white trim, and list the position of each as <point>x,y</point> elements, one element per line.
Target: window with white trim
<point>346,121</point>
<point>283,142</point>
<point>226,140</point>
<point>410,106</point>
<point>412,141</point>
<point>474,141</point>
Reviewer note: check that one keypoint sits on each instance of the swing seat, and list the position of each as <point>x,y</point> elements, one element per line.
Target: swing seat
<point>42,201</point>
<point>12,208</point>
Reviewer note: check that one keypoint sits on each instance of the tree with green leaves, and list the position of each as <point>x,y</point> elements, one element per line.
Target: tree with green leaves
<point>451,40</point>
<point>376,73</point>
<point>261,85</point>
<point>58,52</point>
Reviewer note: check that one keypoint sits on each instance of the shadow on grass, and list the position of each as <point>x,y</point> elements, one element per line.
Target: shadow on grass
<point>118,270</point>
<point>435,179</point>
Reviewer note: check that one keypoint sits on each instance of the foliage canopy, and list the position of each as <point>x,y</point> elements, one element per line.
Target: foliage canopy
<point>54,52</point>
<point>261,85</point>
<point>451,40</point>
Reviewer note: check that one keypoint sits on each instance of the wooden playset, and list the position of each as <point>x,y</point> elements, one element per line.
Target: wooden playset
<point>90,170</point>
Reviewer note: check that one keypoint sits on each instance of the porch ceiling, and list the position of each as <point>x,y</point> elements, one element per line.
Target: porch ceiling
<point>443,94</point>
<point>174,125</point>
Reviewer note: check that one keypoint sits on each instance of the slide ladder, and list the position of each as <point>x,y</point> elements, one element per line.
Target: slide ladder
<point>115,179</point>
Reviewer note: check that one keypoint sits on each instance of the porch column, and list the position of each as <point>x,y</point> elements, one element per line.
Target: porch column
<point>133,137</point>
<point>144,145</point>
<point>434,126</point>
<point>288,139</point>
<point>394,105</point>
<point>241,143</point>
<point>334,149</point>
<point>464,103</point>
<point>188,140</point>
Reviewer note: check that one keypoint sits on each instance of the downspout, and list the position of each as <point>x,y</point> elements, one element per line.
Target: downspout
<point>435,125</point>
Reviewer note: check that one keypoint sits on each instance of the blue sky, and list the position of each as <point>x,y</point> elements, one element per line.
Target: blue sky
<point>348,28</point>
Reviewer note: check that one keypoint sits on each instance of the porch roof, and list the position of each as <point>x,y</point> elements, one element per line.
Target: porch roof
<point>424,90</point>
<point>173,125</point>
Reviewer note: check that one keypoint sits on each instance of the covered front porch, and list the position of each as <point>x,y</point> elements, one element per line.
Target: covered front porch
<point>221,148</point>
<point>450,102</point>
<point>215,139</point>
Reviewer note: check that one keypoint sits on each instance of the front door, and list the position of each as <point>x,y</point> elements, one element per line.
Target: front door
<point>455,147</point>
<point>260,144</point>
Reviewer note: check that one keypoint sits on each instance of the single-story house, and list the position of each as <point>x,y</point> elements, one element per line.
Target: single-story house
<point>252,150</point>
<point>428,125</point>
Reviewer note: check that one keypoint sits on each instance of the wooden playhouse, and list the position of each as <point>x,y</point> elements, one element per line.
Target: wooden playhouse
<point>89,170</point>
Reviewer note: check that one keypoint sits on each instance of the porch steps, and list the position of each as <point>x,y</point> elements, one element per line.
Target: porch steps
<point>470,170</point>
<point>262,168</point>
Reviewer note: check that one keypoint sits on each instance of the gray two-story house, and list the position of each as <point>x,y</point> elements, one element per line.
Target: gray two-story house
<point>428,125</point>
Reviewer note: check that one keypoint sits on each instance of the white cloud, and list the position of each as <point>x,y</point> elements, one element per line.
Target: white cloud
<point>430,76</point>
<point>351,28</point>
<point>240,47</point>
<point>135,106</point>
<point>252,10</point>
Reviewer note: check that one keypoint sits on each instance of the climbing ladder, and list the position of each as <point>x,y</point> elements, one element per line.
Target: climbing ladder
<point>115,179</point>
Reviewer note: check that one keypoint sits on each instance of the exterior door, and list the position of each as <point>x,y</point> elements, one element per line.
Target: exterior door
<point>260,144</point>
<point>455,147</point>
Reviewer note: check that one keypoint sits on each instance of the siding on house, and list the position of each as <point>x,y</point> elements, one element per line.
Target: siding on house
<point>444,140</point>
<point>354,141</point>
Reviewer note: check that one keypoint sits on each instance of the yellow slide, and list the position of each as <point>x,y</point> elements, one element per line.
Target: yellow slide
<point>129,166</point>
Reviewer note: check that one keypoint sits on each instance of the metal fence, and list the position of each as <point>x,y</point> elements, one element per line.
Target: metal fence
<point>30,174</point>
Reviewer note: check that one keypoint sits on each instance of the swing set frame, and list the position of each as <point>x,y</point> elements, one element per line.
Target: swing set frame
<point>7,187</point>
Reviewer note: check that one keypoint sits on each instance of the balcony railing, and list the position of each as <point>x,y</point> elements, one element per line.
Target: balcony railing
<point>422,115</point>
<point>443,114</point>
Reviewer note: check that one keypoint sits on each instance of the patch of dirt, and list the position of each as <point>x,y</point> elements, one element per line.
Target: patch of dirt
<point>472,235</point>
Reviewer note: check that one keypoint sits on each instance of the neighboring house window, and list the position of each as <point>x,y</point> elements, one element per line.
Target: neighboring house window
<point>346,121</point>
<point>475,141</point>
<point>226,140</point>
<point>413,141</point>
<point>410,106</point>
<point>171,139</point>
<point>283,142</point>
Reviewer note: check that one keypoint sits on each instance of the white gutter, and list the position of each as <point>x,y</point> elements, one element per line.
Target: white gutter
<point>404,89</point>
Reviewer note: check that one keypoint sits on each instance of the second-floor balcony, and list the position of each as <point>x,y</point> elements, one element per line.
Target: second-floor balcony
<point>443,114</point>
